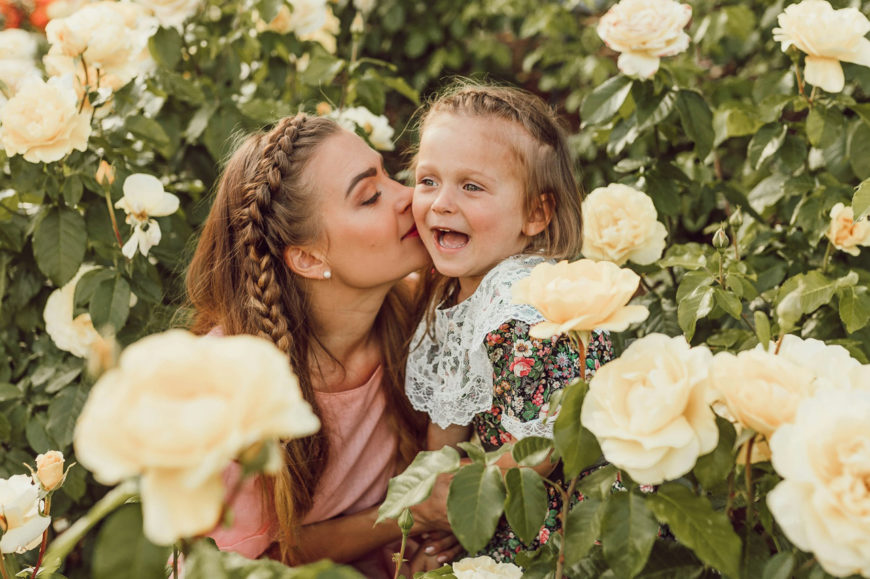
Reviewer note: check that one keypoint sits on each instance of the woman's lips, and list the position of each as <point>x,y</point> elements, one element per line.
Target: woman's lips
<point>411,233</point>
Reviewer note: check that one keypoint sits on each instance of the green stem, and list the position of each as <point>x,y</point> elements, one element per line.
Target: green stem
<point>3,571</point>
<point>721,272</point>
<point>174,561</point>
<point>112,216</point>
<point>401,555</point>
<point>566,506</point>
<point>65,542</point>
<point>828,251</point>
<point>44,544</point>
<point>750,495</point>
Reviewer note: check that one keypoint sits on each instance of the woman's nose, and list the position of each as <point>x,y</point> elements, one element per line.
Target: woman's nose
<point>404,196</point>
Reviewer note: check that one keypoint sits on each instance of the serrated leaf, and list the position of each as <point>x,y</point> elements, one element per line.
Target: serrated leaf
<point>694,523</point>
<point>729,302</point>
<point>110,303</point>
<point>628,531</point>
<point>583,529</point>
<point>652,111</point>
<point>814,291</point>
<point>854,307</point>
<point>532,450</point>
<point>697,121</point>
<point>765,143</point>
<point>576,445</point>
<point>603,102</point>
<point>59,243</point>
<point>415,484</point>
<point>122,550</point>
<point>475,503</point>
<point>693,307</point>
<point>526,503</point>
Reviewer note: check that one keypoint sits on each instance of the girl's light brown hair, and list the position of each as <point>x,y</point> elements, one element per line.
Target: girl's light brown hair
<point>238,281</point>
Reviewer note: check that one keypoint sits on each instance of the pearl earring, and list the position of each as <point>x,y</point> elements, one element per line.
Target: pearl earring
<point>327,274</point>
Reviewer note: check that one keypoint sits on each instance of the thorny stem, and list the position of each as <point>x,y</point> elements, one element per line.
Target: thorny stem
<point>566,506</point>
<point>44,544</point>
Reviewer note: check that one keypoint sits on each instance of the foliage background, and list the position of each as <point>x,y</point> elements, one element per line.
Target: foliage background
<point>721,127</point>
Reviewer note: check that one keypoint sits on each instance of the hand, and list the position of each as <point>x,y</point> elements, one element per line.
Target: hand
<point>436,549</point>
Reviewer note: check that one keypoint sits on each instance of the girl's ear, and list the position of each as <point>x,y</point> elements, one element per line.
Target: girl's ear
<point>540,216</point>
<point>305,262</point>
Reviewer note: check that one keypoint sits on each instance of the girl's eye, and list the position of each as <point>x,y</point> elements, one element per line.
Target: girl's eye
<point>471,187</point>
<point>427,181</point>
<point>371,200</point>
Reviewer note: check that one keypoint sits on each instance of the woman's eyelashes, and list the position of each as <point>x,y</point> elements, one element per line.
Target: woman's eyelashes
<point>373,199</point>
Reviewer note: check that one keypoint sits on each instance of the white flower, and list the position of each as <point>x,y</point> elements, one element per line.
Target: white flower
<point>621,224</point>
<point>484,567</point>
<point>649,408</point>
<point>376,127</point>
<point>42,121</point>
<point>643,31</point>
<point>827,365</point>
<point>301,17</point>
<point>176,411</point>
<point>143,199</point>
<point>845,233</point>
<point>14,72</point>
<point>16,44</point>
<point>326,34</point>
<point>823,503</point>
<point>172,13</point>
<point>828,37</point>
<point>75,335</point>
<point>20,521</point>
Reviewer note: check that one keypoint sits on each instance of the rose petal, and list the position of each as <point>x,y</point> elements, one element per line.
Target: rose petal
<point>825,73</point>
<point>638,64</point>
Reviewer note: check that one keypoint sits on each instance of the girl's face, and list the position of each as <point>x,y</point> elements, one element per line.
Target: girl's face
<point>369,232</point>
<point>469,195</point>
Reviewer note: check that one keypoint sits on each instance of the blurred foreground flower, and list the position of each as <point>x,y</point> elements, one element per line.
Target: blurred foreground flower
<point>20,522</point>
<point>176,411</point>
<point>484,567</point>
<point>75,335</point>
<point>172,13</point>
<point>845,233</point>
<point>376,128</point>
<point>823,503</point>
<point>579,297</point>
<point>643,31</point>
<point>649,408</point>
<point>827,37</point>
<point>17,60</point>
<point>143,199</point>
<point>621,224</point>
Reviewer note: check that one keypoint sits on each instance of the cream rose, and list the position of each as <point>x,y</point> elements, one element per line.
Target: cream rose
<point>376,127</point>
<point>111,36</point>
<point>643,31</point>
<point>49,469</point>
<point>143,199</point>
<point>621,224</point>
<point>580,296</point>
<point>325,35</point>
<point>484,567</point>
<point>75,335</point>
<point>823,503</point>
<point>762,391</point>
<point>845,233</point>
<point>650,411</point>
<point>827,37</point>
<point>42,121</point>
<point>828,365</point>
<point>176,411</point>
<point>20,521</point>
<point>172,13</point>
<point>14,73</point>
<point>17,44</point>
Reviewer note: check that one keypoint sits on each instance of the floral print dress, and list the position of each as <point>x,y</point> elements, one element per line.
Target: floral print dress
<point>526,372</point>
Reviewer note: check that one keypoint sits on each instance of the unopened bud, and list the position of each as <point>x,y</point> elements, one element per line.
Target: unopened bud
<point>49,469</point>
<point>105,174</point>
<point>323,108</point>
<point>358,24</point>
<point>736,219</point>
<point>720,239</point>
<point>406,521</point>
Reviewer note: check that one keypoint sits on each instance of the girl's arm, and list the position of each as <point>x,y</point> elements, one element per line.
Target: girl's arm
<point>437,437</point>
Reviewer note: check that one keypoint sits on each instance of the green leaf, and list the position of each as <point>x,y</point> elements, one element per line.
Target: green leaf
<point>697,121</point>
<point>712,468</point>
<point>122,550</point>
<point>861,200</point>
<point>824,126</point>
<point>526,504</point>
<point>63,412</point>
<point>182,88</point>
<point>858,147</point>
<point>415,484</point>
<point>9,392</point>
<point>603,102</point>
<point>780,566</point>
<point>729,302</point>
<point>147,129</point>
<point>110,303</point>
<point>532,450</point>
<point>628,531</point>
<point>583,529</point>
<point>72,190</point>
<point>599,483</point>
<point>814,291</point>
<point>854,307</point>
<point>576,445</point>
<point>766,143</point>
<point>695,524</point>
<point>762,328</point>
<point>475,503</point>
<point>698,304</point>
<point>474,452</point>
<point>37,436</point>
<point>165,47</point>
<point>689,256</point>
<point>59,243</point>
<point>652,111</point>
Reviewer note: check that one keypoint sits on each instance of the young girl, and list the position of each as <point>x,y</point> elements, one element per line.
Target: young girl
<point>495,195</point>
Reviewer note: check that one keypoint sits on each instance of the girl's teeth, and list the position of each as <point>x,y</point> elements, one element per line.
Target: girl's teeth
<point>452,239</point>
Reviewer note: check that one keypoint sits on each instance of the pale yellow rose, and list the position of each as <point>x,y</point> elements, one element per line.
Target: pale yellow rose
<point>42,121</point>
<point>376,127</point>
<point>20,522</point>
<point>762,391</point>
<point>307,16</point>
<point>621,224</point>
<point>580,296</point>
<point>484,567</point>
<point>845,233</point>
<point>828,365</point>
<point>176,411</point>
<point>49,469</point>
<point>364,6</point>
<point>71,334</point>
<point>823,503</point>
<point>17,44</point>
<point>172,13</point>
<point>643,31</point>
<point>326,36</point>
<point>828,37</point>
<point>13,73</point>
<point>650,411</point>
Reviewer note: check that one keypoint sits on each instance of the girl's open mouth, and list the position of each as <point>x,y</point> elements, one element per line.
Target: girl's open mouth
<point>449,239</point>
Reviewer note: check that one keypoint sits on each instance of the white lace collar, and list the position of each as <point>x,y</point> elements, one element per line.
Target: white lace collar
<point>449,374</point>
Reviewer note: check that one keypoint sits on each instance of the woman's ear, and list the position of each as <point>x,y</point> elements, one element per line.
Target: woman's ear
<point>305,262</point>
<point>539,217</point>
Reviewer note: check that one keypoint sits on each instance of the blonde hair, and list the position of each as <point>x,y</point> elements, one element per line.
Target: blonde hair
<point>238,280</point>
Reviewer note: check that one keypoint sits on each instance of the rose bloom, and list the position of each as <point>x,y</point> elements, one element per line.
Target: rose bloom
<point>643,31</point>
<point>376,127</point>
<point>621,224</point>
<point>42,121</point>
<point>484,567</point>
<point>828,365</point>
<point>18,44</point>
<point>649,408</point>
<point>580,296</point>
<point>762,391</point>
<point>325,35</point>
<point>14,73</point>
<point>172,13</point>
<point>49,469</point>
<point>112,36</point>
<point>845,233</point>
<point>823,503</point>
<point>143,199</point>
<point>827,37</point>
<point>20,521</point>
<point>176,411</point>
<point>74,335</point>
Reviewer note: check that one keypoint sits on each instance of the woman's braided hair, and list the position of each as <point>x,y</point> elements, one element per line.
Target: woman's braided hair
<point>238,281</point>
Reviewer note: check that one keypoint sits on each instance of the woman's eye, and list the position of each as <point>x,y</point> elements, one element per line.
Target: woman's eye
<point>371,200</point>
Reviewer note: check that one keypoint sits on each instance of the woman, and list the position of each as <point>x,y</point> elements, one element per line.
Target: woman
<point>307,244</point>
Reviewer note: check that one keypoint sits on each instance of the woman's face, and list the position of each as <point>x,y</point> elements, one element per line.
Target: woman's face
<point>368,230</point>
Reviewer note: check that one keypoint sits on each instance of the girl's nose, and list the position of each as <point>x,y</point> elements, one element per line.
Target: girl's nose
<point>443,203</point>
